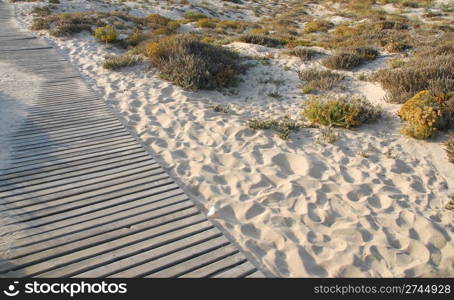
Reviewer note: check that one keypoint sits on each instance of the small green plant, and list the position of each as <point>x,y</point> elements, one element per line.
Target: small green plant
<point>194,15</point>
<point>450,205</point>
<point>221,108</point>
<point>106,34</point>
<point>121,61</point>
<point>283,126</point>
<point>395,63</point>
<point>317,25</point>
<point>327,135</point>
<point>363,154</point>
<point>206,23</point>
<point>157,19</point>
<point>306,89</point>
<point>339,112</point>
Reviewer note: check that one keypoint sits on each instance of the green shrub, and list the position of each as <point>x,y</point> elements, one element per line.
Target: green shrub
<point>157,19</point>
<point>425,114</point>
<point>194,15</point>
<point>283,126</point>
<point>450,205</point>
<point>121,61</point>
<point>261,40</point>
<point>192,64</point>
<point>339,112</point>
<point>206,23</point>
<point>106,34</point>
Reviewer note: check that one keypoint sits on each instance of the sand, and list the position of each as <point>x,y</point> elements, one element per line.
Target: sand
<point>369,205</point>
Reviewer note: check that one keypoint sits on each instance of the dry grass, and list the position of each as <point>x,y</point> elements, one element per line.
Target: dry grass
<point>121,61</point>
<point>66,24</point>
<point>261,40</point>
<point>421,73</point>
<point>350,58</point>
<point>304,54</point>
<point>192,64</point>
<point>339,112</point>
<point>343,61</point>
<point>320,79</point>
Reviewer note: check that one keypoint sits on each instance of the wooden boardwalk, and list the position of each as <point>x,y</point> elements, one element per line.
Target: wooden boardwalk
<point>82,198</point>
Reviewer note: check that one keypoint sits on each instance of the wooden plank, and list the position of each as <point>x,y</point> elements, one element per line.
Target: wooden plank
<point>88,170</point>
<point>108,121</point>
<point>242,270</point>
<point>49,223</point>
<point>52,259</point>
<point>15,172</point>
<point>73,153</point>
<point>216,267</point>
<point>73,191</point>
<point>128,210</point>
<point>63,182</point>
<point>195,246</point>
<point>154,249</point>
<point>256,274</point>
<point>31,142</point>
<point>195,263</point>
<point>65,142</point>
<point>46,174</point>
<point>105,231</point>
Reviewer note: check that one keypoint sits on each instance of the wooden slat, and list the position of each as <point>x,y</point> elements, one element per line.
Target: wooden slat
<point>211,269</point>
